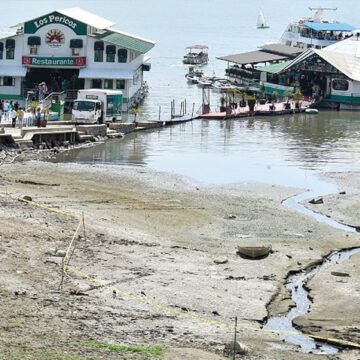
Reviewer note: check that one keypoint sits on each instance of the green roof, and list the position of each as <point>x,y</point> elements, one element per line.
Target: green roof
<point>126,41</point>
<point>274,68</point>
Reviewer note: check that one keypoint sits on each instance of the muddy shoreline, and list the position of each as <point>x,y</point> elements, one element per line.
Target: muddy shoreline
<point>156,236</point>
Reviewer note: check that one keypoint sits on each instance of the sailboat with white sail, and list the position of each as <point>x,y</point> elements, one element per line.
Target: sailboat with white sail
<point>261,23</point>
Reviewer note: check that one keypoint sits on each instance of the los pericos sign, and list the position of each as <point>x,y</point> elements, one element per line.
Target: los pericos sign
<point>32,26</point>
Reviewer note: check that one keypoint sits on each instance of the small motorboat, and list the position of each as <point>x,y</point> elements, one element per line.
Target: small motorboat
<point>194,75</point>
<point>205,82</point>
<point>311,111</point>
<point>254,252</point>
<point>223,86</point>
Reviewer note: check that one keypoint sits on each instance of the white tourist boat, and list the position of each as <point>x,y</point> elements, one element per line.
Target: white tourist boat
<point>315,32</point>
<point>196,55</point>
<point>223,86</point>
<point>261,23</point>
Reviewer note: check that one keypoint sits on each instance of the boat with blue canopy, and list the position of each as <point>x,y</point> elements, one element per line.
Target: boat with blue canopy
<point>316,32</point>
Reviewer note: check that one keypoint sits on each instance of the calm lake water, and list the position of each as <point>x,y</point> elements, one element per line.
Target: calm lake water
<point>287,150</point>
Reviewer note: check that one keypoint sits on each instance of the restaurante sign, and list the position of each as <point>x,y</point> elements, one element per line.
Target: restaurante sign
<point>54,61</point>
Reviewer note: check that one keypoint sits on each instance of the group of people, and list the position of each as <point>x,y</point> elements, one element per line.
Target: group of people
<point>56,84</point>
<point>11,110</point>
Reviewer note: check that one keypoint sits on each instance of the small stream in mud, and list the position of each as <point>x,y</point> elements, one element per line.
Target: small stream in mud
<point>296,283</point>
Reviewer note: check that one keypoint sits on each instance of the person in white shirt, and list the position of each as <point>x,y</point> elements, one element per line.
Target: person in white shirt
<point>13,114</point>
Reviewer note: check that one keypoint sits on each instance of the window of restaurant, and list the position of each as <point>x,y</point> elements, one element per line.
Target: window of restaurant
<point>1,50</point>
<point>96,83</point>
<point>110,53</point>
<point>34,42</point>
<point>340,85</point>
<point>120,84</point>
<point>8,81</point>
<point>108,84</point>
<point>122,55</point>
<point>76,45</point>
<point>99,51</point>
<point>10,49</point>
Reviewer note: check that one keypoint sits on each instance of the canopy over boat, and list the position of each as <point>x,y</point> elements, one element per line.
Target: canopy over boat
<point>199,47</point>
<point>326,26</point>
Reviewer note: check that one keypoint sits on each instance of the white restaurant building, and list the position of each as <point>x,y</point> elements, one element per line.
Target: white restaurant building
<point>76,46</point>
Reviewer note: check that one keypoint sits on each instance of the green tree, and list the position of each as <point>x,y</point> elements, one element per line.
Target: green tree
<point>134,111</point>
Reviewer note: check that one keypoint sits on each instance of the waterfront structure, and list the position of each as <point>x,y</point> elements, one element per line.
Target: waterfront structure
<point>332,73</point>
<point>247,69</point>
<point>72,49</point>
<point>315,32</point>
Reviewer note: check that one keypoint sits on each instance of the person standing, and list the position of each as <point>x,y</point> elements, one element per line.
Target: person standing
<point>38,117</point>
<point>41,92</point>
<point>13,115</point>
<point>63,85</point>
<point>20,115</point>
<point>6,106</point>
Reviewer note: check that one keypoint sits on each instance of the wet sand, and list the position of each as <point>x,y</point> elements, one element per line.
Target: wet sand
<point>155,236</point>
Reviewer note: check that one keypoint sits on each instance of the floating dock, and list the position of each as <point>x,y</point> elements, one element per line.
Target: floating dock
<point>260,110</point>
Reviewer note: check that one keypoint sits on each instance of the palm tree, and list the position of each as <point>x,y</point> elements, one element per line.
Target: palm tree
<point>297,97</point>
<point>233,92</point>
<point>134,111</point>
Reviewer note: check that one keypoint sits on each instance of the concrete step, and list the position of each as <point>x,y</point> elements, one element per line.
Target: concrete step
<point>115,135</point>
<point>85,137</point>
<point>23,144</point>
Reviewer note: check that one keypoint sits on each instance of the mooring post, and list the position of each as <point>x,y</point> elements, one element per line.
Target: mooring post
<point>192,112</point>
<point>172,108</point>
<point>234,349</point>
<point>159,112</point>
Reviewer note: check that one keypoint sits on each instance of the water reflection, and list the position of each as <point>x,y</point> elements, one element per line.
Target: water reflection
<point>282,150</point>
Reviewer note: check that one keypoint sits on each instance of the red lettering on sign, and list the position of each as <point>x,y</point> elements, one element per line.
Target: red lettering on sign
<point>26,60</point>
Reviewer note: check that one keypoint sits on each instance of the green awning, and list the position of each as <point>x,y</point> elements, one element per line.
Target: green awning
<point>126,41</point>
<point>98,45</point>
<point>34,40</point>
<point>10,44</point>
<point>146,66</point>
<point>274,68</point>
<point>76,43</point>
<point>111,49</point>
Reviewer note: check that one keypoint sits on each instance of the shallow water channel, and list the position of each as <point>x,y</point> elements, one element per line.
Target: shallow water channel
<point>296,284</point>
